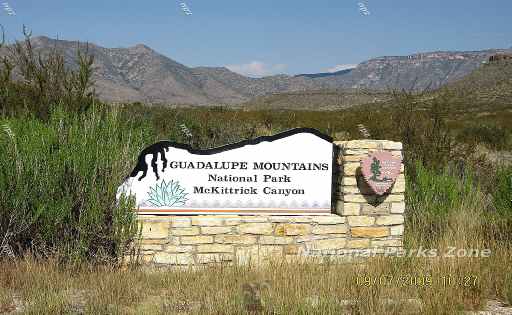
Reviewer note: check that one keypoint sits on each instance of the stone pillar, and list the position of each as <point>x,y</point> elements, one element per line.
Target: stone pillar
<point>375,222</point>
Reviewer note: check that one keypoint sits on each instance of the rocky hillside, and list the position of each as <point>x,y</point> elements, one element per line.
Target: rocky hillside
<point>425,71</point>
<point>489,86</point>
<point>139,73</point>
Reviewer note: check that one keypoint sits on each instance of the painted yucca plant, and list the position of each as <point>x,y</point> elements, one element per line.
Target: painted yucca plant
<point>167,194</point>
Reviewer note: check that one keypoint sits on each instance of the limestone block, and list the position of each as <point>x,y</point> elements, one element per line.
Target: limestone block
<point>300,219</point>
<point>349,169</point>
<point>330,229</point>
<point>349,181</point>
<point>233,221</point>
<point>374,144</point>
<point>193,230</point>
<point>275,240</point>
<point>155,229</point>
<point>390,219</point>
<point>292,229</point>
<point>352,158</point>
<point>361,220</point>
<point>173,259</point>
<point>200,239</point>
<point>370,144</point>
<point>369,231</point>
<point>397,153</point>
<point>398,207</point>
<point>358,198</point>
<point>236,239</point>
<point>355,190</point>
<point>208,221</point>
<point>392,198</point>
<point>391,145</point>
<point>397,230</point>
<point>280,219</point>
<point>148,217</point>
<point>291,219</point>
<point>174,240</point>
<point>335,243</point>
<point>385,243</point>
<point>399,185</point>
<point>151,247</point>
<point>383,208</point>
<point>255,219</point>
<point>215,229</point>
<point>307,238</point>
<point>358,243</point>
<point>215,248</point>
<point>178,249</point>
<point>329,219</point>
<point>361,144</point>
<point>180,222</point>
<point>256,228</point>
<point>398,188</point>
<point>348,209</point>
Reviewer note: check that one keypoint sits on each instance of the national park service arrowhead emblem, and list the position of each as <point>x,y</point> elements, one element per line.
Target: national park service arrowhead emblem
<point>380,170</point>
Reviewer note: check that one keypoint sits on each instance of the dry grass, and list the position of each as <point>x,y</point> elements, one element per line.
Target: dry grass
<point>381,285</point>
<point>418,284</point>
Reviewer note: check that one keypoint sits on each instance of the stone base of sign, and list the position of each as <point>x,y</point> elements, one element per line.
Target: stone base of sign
<point>187,240</point>
<point>362,224</point>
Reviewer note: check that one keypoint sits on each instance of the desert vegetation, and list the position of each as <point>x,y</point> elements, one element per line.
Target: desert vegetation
<point>63,154</point>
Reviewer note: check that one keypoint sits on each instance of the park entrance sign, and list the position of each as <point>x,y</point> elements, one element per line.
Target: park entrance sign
<point>289,173</point>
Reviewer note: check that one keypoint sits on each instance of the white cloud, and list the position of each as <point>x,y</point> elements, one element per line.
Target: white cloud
<point>257,69</point>
<point>337,68</point>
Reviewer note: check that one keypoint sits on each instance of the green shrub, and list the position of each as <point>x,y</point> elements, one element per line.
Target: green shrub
<point>432,196</point>
<point>44,80</point>
<point>498,223</point>
<point>424,132</point>
<point>502,194</point>
<point>489,134</point>
<point>58,182</point>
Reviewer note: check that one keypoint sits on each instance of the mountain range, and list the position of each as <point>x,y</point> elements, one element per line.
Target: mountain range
<point>140,74</point>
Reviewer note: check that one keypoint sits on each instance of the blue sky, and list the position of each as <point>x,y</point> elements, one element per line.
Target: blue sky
<point>267,37</point>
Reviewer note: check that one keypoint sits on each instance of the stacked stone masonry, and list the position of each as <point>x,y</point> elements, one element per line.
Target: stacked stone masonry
<point>362,224</point>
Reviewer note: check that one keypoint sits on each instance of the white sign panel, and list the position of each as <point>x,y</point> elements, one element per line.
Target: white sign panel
<point>288,173</point>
